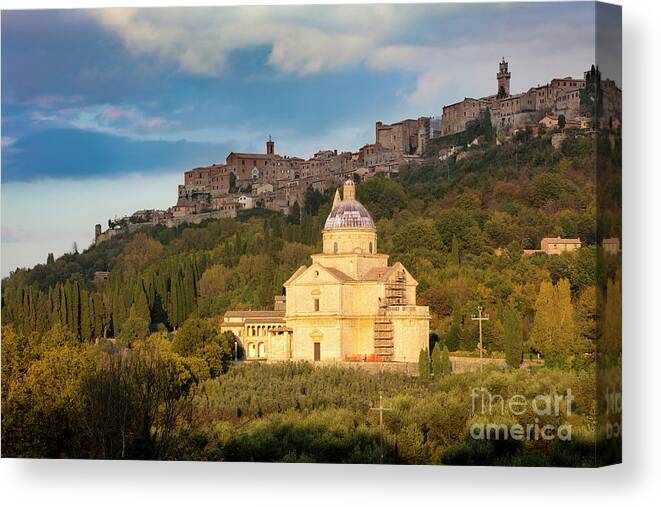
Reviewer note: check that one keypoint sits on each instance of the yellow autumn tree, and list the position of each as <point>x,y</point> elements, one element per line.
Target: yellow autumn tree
<point>554,329</point>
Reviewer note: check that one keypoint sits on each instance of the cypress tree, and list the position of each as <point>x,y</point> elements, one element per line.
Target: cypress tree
<point>86,322</point>
<point>64,314</point>
<point>175,315</point>
<point>454,255</point>
<point>188,284</point>
<point>140,308</point>
<point>453,336</point>
<point>75,308</point>
<point>31,302</point>
<point>423,364</point>
<point>43,321</point>
<point>97,313</point>
<point>118,312</point>
<point>513,336</point>
<point>54,304</point>
<point>446,365</point>
<point>68,294</point>
<point>436,366</point>
<point>22,310</point>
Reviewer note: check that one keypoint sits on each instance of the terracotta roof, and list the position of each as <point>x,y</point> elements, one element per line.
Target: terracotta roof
<point>252,155</point>
<point>377,274</point>
<point>260,320</point>
<point>460,101</point>
<point>562,241</point>
<point>338,274</point>
<point>255,313</point>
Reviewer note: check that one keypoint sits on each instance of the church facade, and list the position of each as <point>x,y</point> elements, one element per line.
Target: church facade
<point>349,304</point>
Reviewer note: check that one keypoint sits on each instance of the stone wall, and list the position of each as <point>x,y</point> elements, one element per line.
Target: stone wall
<point>469,364</point>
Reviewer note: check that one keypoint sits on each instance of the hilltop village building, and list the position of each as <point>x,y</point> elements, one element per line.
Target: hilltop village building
<point>276,182</point>
<point>273,181</point>
<point>562,96</point>
<point>348,305</point>
<point>408,137</point>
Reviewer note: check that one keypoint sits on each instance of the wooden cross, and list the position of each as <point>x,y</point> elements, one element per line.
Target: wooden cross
<point>480,317</point>
<point>380,409</point>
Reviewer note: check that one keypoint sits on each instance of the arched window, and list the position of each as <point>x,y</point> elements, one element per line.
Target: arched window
<point>261,350</point>
<point>252,350</point>
<point>335,247</point>
<point>370,247</point>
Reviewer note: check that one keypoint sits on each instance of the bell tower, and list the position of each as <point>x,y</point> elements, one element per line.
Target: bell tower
<point>503,78</point>
<point>270,147</point>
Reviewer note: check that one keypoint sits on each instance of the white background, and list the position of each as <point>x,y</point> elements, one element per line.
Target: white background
<point>637,481</point>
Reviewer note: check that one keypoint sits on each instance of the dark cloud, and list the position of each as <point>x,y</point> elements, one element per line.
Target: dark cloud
<point>80,154</point>
<point>67,69</point>
<point>63,54</point>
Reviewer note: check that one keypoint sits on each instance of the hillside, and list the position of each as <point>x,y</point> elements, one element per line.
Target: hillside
<point>459,226</point>
<point>444,220</point>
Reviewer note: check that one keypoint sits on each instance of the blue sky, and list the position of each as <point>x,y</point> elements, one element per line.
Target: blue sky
<point>103,109</point>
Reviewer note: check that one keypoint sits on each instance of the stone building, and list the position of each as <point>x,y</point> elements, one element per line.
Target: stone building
<point>457,115</point>
<point>559,245</point>
<point>556,246</point>
<point>611,245</point>
<point>347,305</point>
<point>111,232</point>
<point>409,137</point>
<point>214,179</point>
<point>372,155</point>
<point>265,167</point>
<point>510,111</point>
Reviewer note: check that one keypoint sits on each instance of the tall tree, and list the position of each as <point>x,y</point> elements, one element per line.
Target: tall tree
<point>513,336</point>
<point>436,365</point>
<point>140,308</point>
<point>86,316</point>
<point>454,254</point>
<point>553,332</point>
<point>446,365</point>
<point>423,364</point>
<point>541,335</point>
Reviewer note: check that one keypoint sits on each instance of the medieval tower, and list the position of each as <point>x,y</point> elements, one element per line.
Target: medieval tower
<point>503,78</point>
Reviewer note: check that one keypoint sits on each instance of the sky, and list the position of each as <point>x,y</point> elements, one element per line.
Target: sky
<point>103,110</point>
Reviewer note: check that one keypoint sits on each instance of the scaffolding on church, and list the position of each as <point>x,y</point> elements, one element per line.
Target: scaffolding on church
<point>384,332</point>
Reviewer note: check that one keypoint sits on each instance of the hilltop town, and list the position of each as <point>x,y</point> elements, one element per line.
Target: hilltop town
<point>277,182</point>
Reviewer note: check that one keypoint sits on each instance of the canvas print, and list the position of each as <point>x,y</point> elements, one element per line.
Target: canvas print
<point>377,234</point>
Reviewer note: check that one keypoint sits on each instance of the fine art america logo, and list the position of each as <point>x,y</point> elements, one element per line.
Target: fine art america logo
<point>538,411</point>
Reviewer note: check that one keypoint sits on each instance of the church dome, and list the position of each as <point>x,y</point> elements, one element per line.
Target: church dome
<point>349,214</point>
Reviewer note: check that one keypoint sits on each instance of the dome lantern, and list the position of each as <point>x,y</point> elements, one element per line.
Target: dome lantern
<point>349,191</point>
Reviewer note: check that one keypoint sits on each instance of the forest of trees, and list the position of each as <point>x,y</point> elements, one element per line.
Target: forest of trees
<point>460,227</point>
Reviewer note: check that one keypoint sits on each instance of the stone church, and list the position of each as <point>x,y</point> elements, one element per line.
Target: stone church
<point>348,305</point>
